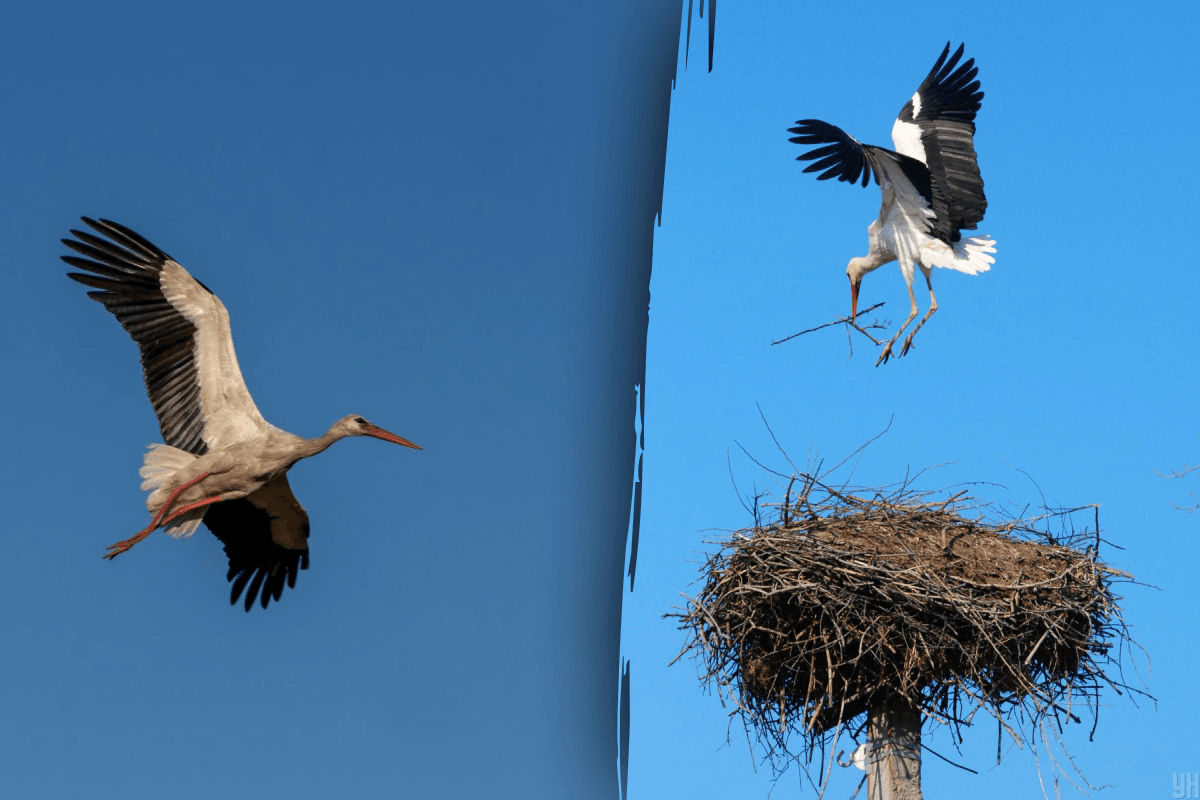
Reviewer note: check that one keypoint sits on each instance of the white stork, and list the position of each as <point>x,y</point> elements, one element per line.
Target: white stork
<point>222,462</point>
<point>931,185</point>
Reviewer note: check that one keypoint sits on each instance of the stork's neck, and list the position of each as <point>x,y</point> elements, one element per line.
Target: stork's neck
<point>861,265</point>
<point>310,447</point>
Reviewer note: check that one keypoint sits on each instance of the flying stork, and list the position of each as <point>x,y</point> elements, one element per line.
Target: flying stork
<point>221,463</point>
<point>930,183</point>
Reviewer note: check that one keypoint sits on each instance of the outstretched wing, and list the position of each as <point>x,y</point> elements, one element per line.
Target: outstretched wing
<point>843,157</point>
<point>937,127</point>
<point>182,329</point>
<point>266,540</point>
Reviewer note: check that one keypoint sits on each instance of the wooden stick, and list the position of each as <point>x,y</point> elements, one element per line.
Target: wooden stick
<point>839,321</point>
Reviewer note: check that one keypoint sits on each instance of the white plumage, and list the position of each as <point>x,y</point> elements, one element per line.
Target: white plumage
<point>159,464</point>
<point>930,185</point>
<point>221,463</point>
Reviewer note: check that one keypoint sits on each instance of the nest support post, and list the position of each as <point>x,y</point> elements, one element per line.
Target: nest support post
<point>894,757</point>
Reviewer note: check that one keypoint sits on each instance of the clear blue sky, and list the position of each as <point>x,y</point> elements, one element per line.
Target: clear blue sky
<point>1073,359</point>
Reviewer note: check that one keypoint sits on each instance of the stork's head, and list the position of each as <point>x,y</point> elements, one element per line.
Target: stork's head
<point>855,271</point>
<point>355,425</point>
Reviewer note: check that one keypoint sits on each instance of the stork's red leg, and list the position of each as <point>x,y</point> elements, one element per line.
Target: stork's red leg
<point>125,544</point>
<point>887,351</point>
<point>191,507</point>
<point>928,314</point>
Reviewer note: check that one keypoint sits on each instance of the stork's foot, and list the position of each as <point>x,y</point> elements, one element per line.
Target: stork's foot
<point>160,519</point>
<point>115,550</point>
<point>886,354</point>
<point>907,345</point>
<point>863,331</point>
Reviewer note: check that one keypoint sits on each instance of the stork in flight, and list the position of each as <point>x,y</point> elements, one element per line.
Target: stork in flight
<point>931,186</point>
<point>222,463</point>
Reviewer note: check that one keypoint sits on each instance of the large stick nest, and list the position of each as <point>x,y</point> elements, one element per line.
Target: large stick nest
<point>852,596</point>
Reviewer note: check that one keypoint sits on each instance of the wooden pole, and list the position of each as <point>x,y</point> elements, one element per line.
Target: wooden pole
<point>894,750</point>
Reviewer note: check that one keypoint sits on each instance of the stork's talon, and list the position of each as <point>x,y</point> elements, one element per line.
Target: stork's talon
<point>907,345</point>
<point>117,549</point>
<point>127,544</point>
<point>885,355</point>
<point>863,331</point>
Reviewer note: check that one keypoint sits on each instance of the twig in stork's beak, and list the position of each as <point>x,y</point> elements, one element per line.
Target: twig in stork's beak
<point>388,436</point>
<point>837,321</point>
<point>854,287</point>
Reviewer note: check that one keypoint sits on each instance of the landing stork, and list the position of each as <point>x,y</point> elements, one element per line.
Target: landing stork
<point>222,463</point>
<point>931,186</point>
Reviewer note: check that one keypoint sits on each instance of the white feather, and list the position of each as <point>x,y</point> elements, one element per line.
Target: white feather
<point>906,137</point>
<point>186,525</point>
<point>230,415</point>
<point>158,465</point>
<point>903,232</point>
<point>161,462</point>
<point>904,214</point>
<point>971,255</point>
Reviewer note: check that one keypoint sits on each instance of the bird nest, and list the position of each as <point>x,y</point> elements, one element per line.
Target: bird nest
<point>850,597</point>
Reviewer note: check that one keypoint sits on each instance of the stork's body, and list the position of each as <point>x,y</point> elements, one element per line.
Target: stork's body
<point>235,470</point>
<point>222,463</point>
<point>930,185</point>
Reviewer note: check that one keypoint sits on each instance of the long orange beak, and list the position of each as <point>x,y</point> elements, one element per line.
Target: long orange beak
<point>388,436</point>
<point>854,284</point>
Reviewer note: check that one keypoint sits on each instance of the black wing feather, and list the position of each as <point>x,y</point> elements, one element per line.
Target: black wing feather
<point>949,99</point>
<point>845,158</point>
<point>948,93</point>
<point>126,268</point>
<point>265,535</point>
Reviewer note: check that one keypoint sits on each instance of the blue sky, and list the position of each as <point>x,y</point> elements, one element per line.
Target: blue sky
<point>409,211</point>
<point>1072,359</point>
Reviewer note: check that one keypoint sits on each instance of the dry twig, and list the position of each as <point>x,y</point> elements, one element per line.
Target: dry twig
<point>847,321</point>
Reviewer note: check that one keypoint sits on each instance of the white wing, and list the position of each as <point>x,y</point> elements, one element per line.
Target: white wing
<point>182,329</point>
